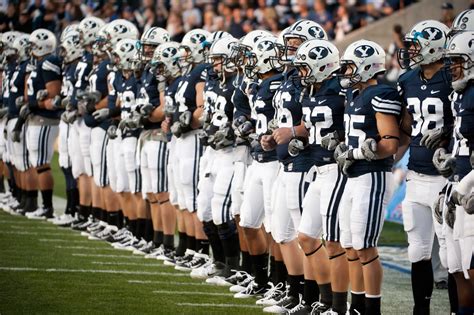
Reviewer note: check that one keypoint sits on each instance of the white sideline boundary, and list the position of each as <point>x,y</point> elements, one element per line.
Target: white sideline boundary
<point>211,305</point>
<point>169,283</point>
<point>105,256</point>
<point>104,271</point>
<point>192,293</point>
<point>116,263</point>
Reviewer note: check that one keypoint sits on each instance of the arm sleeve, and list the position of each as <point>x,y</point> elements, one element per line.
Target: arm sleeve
<point>387,102</point>
<point>51,70</point>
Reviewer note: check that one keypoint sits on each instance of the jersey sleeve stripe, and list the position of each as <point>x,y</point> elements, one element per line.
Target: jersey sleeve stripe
<point>386,108</point>
<point>386,101</point>
<point>48,66</point>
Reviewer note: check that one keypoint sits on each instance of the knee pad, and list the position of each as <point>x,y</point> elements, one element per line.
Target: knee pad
<point>227,230</point>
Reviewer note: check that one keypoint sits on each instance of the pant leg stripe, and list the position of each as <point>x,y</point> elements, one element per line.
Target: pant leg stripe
<point>370,210</point>
<point>379,212</point>
<point>301,191</point>
<point>46,145</point>
<point>165,167</point>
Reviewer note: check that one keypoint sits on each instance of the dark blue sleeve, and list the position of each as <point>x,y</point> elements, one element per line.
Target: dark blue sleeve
<point>51,69</point>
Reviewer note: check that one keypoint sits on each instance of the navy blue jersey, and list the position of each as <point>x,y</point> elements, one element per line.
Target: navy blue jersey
<point>98,77</point>
<point>127,95</point>
<point>459,145</point>
<point>289,113</point>
<point>428,102</point>
<point>69,80</point>
<point>465,127</point>
<point>114,83</point>
<point>218,98</point>
<point>46,70</point>
<point>185,96</point>
<point>17,88</point>
<point>263,112</point>
<point>83,69</point>
<point>8,72</point>
<point>323,113</point>
<point>170,92</point>
<point>148,94</point>
<point>360,122</point>
<point>240,99</point>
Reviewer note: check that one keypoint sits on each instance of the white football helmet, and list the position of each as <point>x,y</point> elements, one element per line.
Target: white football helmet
<point>320,58</point>
<point>151,39</point>
<point>42,42</point>
<point>258,61</point>
<point>88,28</point>
<point>424,44</point>
<point>166,60</point>
<point>71,48</point>
<point>124,53</point>
<point>460,57</point>
<point>362,61</point>
<point>195,43</point>
<point>118,30</point>
<point>464,21</point>
<point>21,46</point>
<point>68,29</point>
<point>245,46</point>
<point>99,46</point>
<point>6,43</point>
<point>220,53</point>
<point>303,30</point>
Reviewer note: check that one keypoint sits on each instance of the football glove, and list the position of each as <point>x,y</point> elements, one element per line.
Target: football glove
<point>57,102</point>
<point>341,155</point>
<point>41,95</point>
<point>19,102</point>
<point>223,137</point>
<point>169,109</point>
<point>101,115</point>
<point>295,146</point>
<point>433,138</point>
<point>3,112</point>
<point>468,203</point>
<point>450,214</point>
<point>24,112</point>
<point>438,206</point>
<point>71,116</point>
<point>245,129</point>
<point>368,149</point>
<point>133,122</point>
<point>176,129</point>
<point>112,132</point>
<point>185,119</point>
<point>146,110</point>
<point>331,140</point>
<point>444,163</point>
<point>16,135</point>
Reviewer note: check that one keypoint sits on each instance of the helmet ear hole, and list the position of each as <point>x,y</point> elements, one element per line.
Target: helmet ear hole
<point>367,68</point>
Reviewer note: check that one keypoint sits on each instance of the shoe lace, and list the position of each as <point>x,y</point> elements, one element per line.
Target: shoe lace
<point>249,289</point>
<point>273,291</point>
<point>297,307</point>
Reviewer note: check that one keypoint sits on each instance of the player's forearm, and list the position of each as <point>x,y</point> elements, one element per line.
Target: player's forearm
<point>158,114</point>
<point>387,148</point>
<point>196,121</point>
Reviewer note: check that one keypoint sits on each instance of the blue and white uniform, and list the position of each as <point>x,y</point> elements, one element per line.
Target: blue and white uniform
<point>42,128</point>
<point>323,113</point>
<point>428,102</point>
<point>369,186</point>
<point>256,207</point>
<point>7,123</point>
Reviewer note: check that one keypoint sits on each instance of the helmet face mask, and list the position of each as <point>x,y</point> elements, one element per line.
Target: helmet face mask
<point>348,74</point>
<point>459,60</point>
<point>165,61</point>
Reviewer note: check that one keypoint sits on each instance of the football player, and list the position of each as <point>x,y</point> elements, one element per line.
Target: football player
<point>43,85</point>
<point>458,203</point>
<point>189,100</point>
<point>426,95</point>
<point>323,113</point>
<point>372,137</point>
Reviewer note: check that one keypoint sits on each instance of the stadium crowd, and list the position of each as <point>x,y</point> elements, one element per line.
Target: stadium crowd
<point>238,17</point>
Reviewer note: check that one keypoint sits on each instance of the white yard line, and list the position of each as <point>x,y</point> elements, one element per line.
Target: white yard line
<point>37,233</point>
<point>105,256</point>
<point>169,283</point>
<point>85,247</point>
<point>116,263</point>
<point>106,271</point>
<point>174,292</point>
<point>20,227</point>
<point>58,240</point>
<point>211,305</point>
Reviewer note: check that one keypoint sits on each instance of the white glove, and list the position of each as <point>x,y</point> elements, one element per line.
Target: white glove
<point>341,155</point>
<point>444,163</point>
<point>101,114</point>
<point>433,138</point>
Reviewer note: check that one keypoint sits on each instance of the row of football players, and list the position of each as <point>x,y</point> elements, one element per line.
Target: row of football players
<point>244,107</point>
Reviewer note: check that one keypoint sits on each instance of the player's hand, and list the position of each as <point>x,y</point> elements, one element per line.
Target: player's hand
<point>101,115</point>
<point>282,135</point>
<point>176,129</point>
<point>368,149</point>
<point>343,160</point>
<point>71,116</point>
<point>443,162</point>
<point>41,95</point>
<point>112,131</point>
<point>146,110</point>
<point>432,139</point>
<point>467,202</point>
<point>331,140</point>
<point>133,122</point>
<point>438,207</point>
<point>56,103</point>
<point>268,143</point>
<point>245,129</point>
<point>16,135</point>
<point>24,112</point>
<point>185,118</point>
<point>450,213</point>
<point>295,146</point>
<point>64,117</point>
<point>19,102</point>
<point>3,112</point>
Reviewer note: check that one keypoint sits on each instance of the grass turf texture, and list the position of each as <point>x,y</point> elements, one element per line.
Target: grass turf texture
<point>48,270</point>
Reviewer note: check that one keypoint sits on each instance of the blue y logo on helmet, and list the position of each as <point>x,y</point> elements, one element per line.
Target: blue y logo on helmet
<point>316,32</point>
<point>364,51</point>
<point>431,33</point>
<point>318,53</point>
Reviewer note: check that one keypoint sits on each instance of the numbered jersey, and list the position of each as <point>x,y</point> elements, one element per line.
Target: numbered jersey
<point>218,98</point>
<point>185,96</point>
<point>98,82</point>
<point>114,84</point>
<point>17,88</point>
<point>170,92</point>
<point>241,103</point>
<point>323,113</point>
<point>360,122</point>
<point>428,102</point>
<point>45,71</point>
<point>464,120</point>
<point>69,80</point>
<point>128,104</point>
<point>261,102</point>
<point>83,69</point>
<point>288,114</point>
<point>7,77</point>
<point>148,94</point>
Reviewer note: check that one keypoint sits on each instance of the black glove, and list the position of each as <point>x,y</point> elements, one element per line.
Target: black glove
<point>3,112</point>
